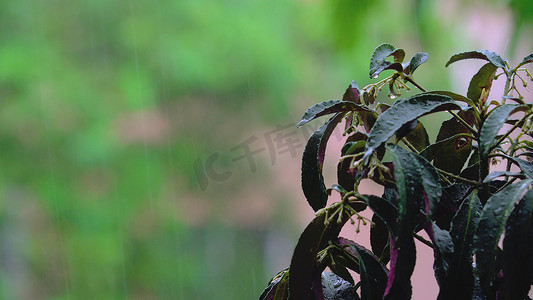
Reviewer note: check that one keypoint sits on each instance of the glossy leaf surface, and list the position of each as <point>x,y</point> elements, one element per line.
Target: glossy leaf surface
<point>313,158</point>
<point>336,288</point>
<point>402,112</point>
<point>493,124</point>
<point>378,61</point>
<point>518,247</point>
<point>482,80</point>
<point>491,225</point>
<point>329,107</point>
<point>490,56</point>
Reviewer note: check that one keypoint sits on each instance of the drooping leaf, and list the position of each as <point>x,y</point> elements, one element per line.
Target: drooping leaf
<point>497,174</point>
<point>278,287</point>
<point>336,288</point>
<point>345,175</point>
<point>313,158</point>
<point>493,124</point>
<point>490,56</point>
<point>418,187</point>
<point>524,165</point>
<point>386,211</point>
<point>528,59</point>
<point>329,107</point>
<point>452,95</point>
<point>402,112</point>
<point>379,239</point>
<point>415,133</point>
<point>443,250</point>
<point>481,81</point>
<point>459,282</point>
<point>315,237</point>
<point>491,224</point>
<point>415,177</point>
<point>452,155</point>
<point>415,61</point>
<point>373,273</point>
<point>352,93</point>
<point>378,61</point>
<point>517,246</point>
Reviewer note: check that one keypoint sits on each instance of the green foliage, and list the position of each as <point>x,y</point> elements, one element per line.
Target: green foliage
<point>444,188</point>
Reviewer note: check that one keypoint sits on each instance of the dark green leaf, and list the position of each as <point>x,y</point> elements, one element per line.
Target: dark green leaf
<point>524,165</point>
<point>378,61</point>
<point>414,176</point>
<point>497,174</point>
<point>387,212</point>
<point>490,56</point>
<point>415,133</point>
<point>452,95</point>
<point>493,124</point>
<point>313,158</point>
<point>336,288</point>
<point>345,175</point>
<point>278,288</point>
<point>481,81</point>
<point>460,280</point>
<point>443,250</point>
<point>517,246</point>
<point>373,273</point>
<point>528,59</point>
<point>415,61</point>
<point>379,239</point>
<point>329,107</point>
<point>313,239</point>
<point>453,154</point>
<point>402,112</point>
<point>491,224</point>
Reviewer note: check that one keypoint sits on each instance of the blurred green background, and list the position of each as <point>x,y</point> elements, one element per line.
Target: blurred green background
<point>124,127</point>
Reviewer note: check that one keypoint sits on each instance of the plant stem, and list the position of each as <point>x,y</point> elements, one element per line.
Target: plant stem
<point>472,182</point>
<point>465,124</point>
<point>423,240</point>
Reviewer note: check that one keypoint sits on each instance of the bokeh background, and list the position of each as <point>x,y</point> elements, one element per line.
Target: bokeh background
<point>148,149</point>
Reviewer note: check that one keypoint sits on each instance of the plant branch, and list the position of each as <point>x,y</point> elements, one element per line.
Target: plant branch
<point>465,124</point>
<point>423,240</point>
<point>459,178</point>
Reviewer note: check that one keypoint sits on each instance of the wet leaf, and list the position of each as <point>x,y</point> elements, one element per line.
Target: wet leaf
<point>278,288</point>
<point>402,112</point>
<point>415,133</point>
<point>443,250</point>
<point>490,56</point>
<point>379,239</point>
<point>373,274</point>
<point>497,174</point>
<point>491,224</point>
<point>314,238</point>
<point>453,154</point>
<point>336,288</point>
<point>452,95</point>
<point>313,158</point>
<point>524,165</point>
<point>528,59</point>
<point>460,280</point>
<point>481,81</point>
<point>345,175</point>
<point>415,61</point>
<point>352,93</point>
<point>416,180</point>
<point>493,124</point>
<point>518,246</point>
<point>329,107</point>
<point>386,211</point>
<point>378,61</point>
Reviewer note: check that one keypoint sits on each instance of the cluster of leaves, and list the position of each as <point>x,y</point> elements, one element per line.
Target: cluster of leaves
<point>444,188</point>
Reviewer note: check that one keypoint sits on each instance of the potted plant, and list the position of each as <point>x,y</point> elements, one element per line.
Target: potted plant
<point>444,188</point>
